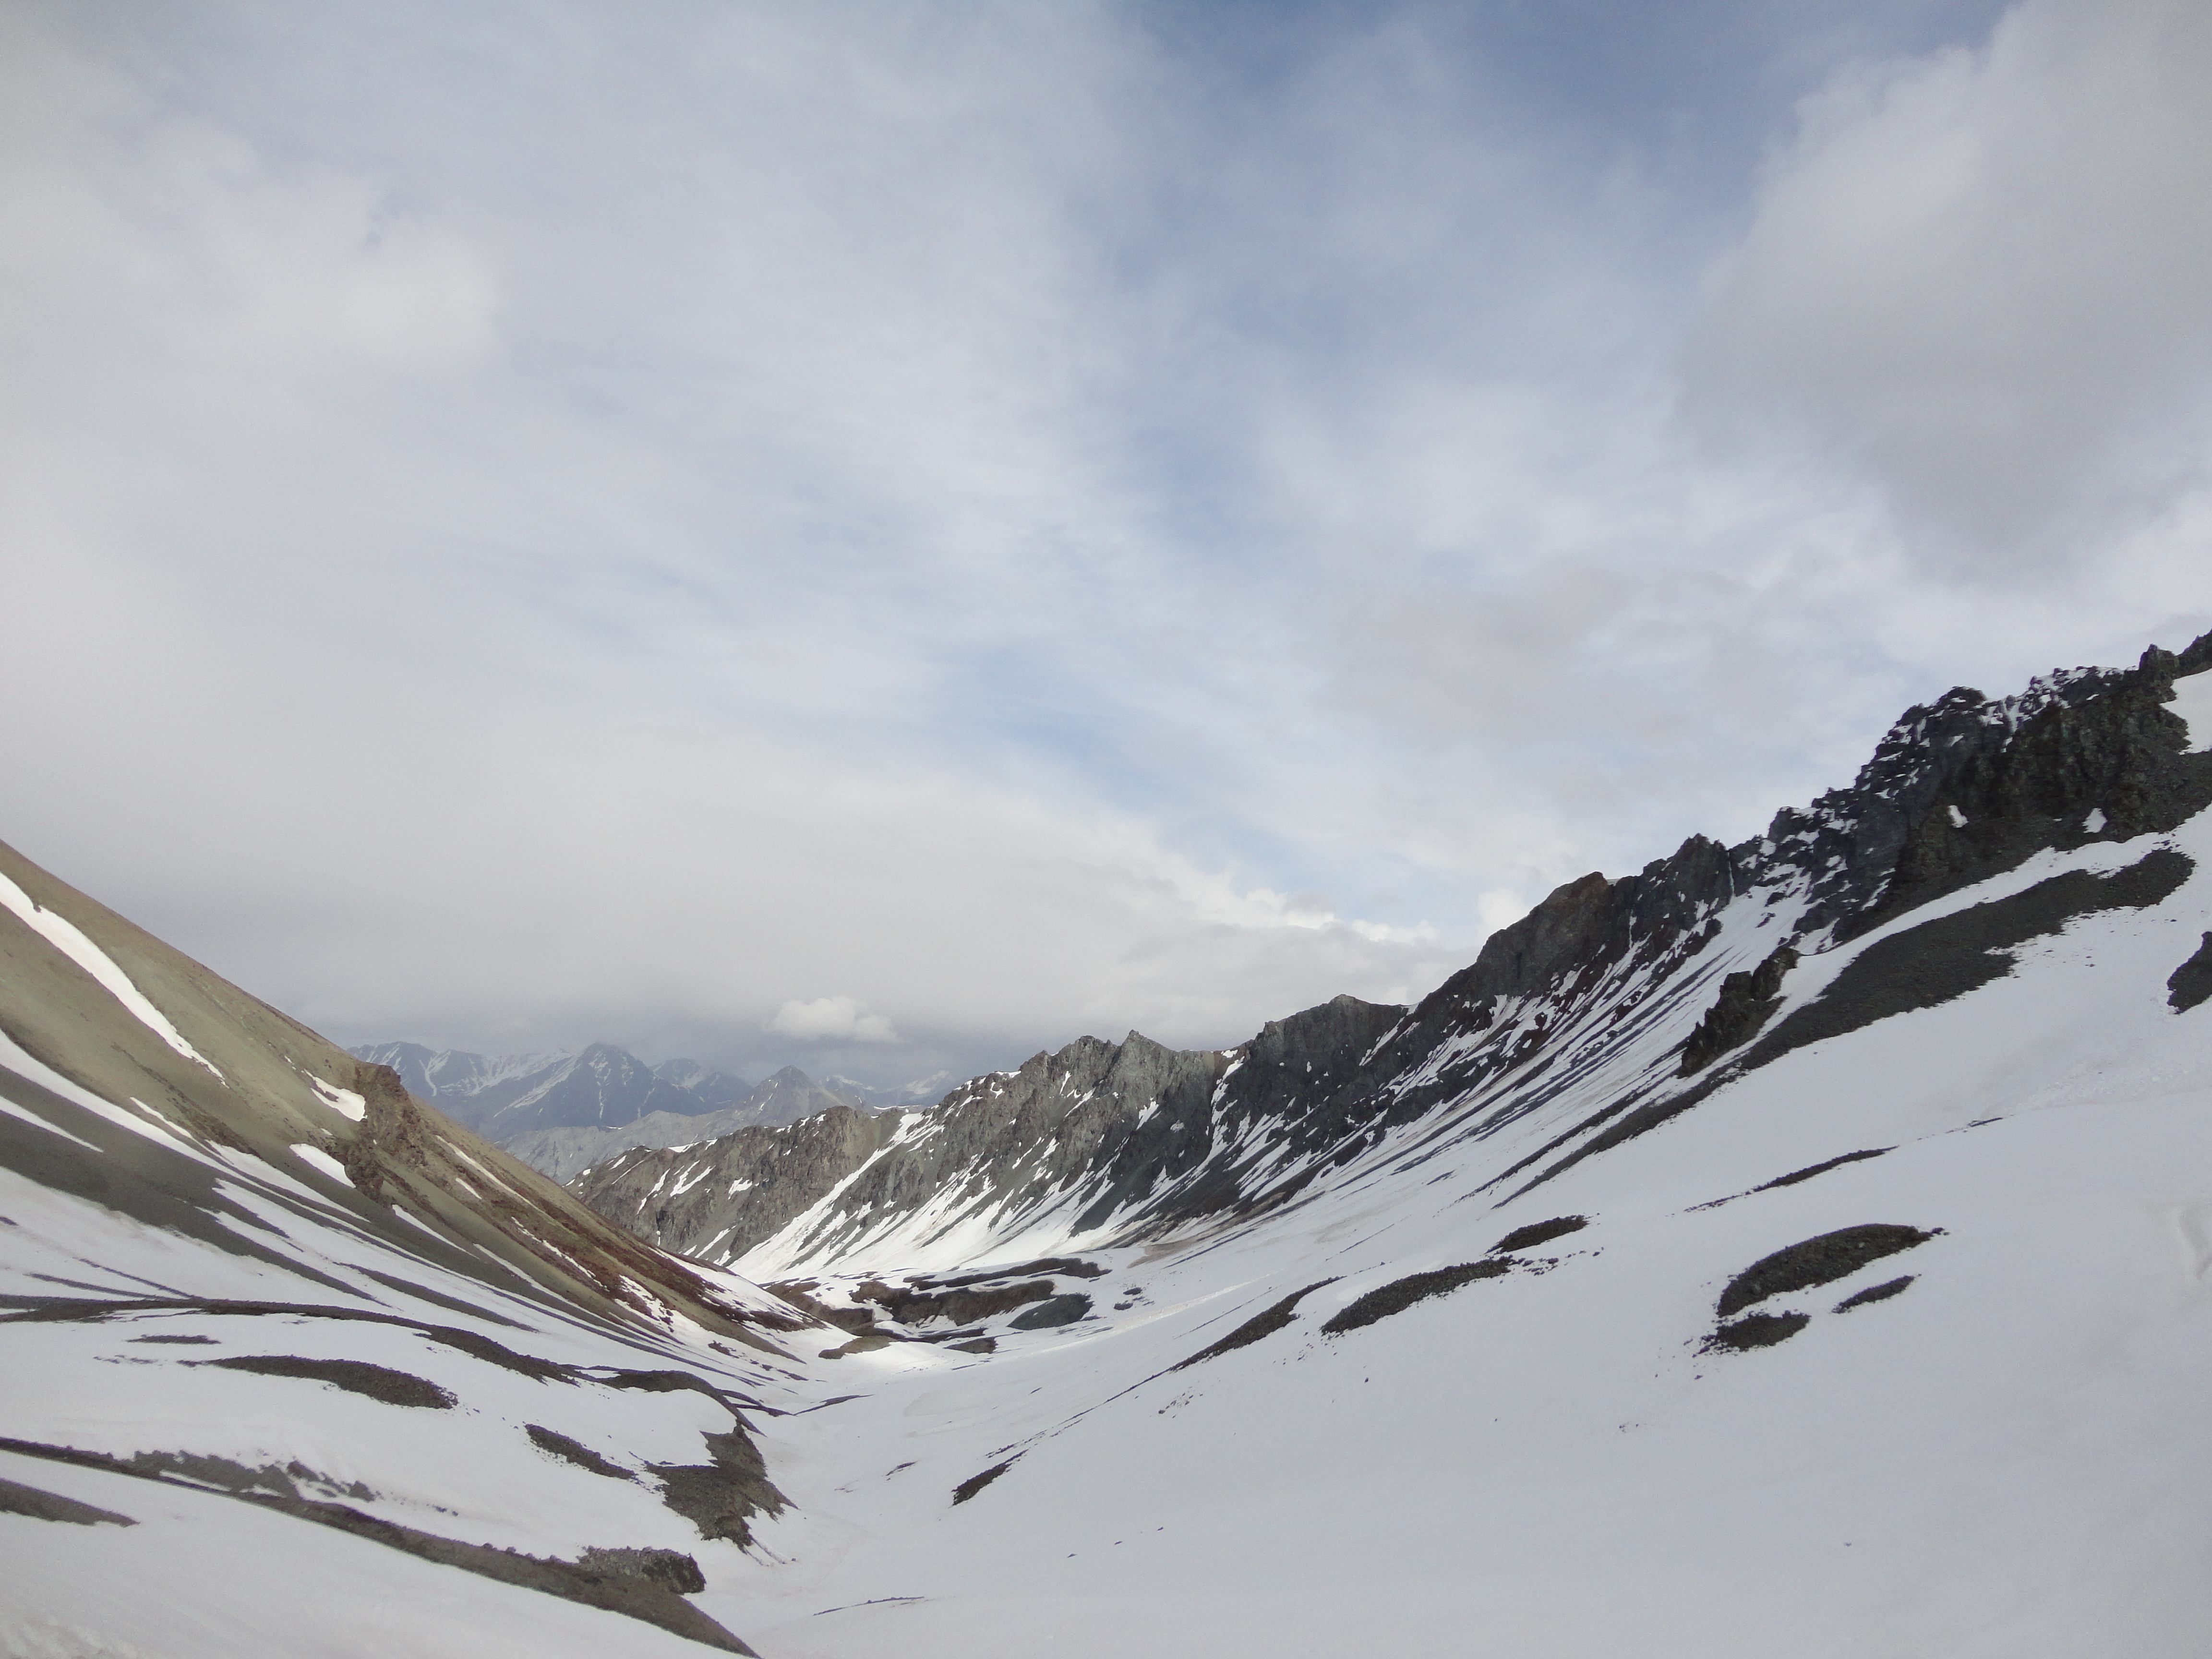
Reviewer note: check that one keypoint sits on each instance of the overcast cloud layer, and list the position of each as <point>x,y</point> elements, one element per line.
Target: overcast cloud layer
<point>890,536</point>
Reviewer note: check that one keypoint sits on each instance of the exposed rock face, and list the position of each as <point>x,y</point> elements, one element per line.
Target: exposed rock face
<point>1747,1001</point>
<point>1131,1141</point>
<point>2192,983</point>
<point>1098,1127</point>
<point>703,1201</point>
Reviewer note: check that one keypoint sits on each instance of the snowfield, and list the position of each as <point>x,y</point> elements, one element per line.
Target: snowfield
<point>1995,1462</point>
<point>1888,1345</point>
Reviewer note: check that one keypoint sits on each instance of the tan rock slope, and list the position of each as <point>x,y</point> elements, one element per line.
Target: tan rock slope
<point>229,1072</point>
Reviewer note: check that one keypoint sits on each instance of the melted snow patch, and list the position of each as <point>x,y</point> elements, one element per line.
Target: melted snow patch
<point>344,1102</point>
<point>690,1179</point>
<point>316,1158</point>
<point>70,940</point>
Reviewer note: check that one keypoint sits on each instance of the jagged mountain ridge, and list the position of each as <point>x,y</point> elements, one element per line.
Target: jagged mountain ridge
<point>1618,980</point>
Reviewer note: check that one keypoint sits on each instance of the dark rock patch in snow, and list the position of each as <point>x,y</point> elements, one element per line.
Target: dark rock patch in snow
<point>857,1321</point>
<point>1403,1294</point>
<point>16,1498</point>
<point>2192,983</point>
<point>980,1344</point>
<point>670,1568</point>
<point>1805,1174</point>
<point>633,1594</point>
<point>718,1497</point>
<point>1759,1330</point>
<point>1074,1267</point>
<point>1747,1001</point>
<point>354,1376</point>
<point>1822,1168</point>
<point>1942,959</point>
<point>1054,1310</point>
<point>40,1309</point>
<point>911,1307</point>
<point>1874,1293</point>
<point>228,1475</point>
<point>1820,1260</point>
<point>975,1483</point>
<point>209,1341</point>
<point>573,1451</point>
<point>1260,1325</point>
<point>1539,1232</point>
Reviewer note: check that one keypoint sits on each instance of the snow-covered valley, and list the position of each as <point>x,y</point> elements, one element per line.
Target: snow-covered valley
<point>1648,1290</point>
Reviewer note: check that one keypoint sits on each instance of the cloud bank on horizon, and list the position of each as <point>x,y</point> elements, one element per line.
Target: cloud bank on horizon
<point>891,537</point>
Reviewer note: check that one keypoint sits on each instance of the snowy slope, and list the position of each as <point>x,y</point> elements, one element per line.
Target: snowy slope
<point>1881,1332</point>
<point>1997,1459</point>
<point>294,1366</point>
<point>1649,1290</point>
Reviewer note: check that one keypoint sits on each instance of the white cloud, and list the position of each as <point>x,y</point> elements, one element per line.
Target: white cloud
<point>523,530</point>
<point>1985,277</point>
<point>837,1018</point>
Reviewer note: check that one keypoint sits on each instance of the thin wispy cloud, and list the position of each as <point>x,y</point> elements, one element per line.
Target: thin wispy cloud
<point>893,536</point>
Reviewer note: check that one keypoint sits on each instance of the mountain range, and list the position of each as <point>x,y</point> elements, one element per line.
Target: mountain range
<point>1579,1002</point>
<point>561,1113</point>
<point>1800,1246</point>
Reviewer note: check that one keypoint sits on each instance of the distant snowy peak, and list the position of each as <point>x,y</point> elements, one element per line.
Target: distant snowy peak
<point>714,1091</point>
<point>506,1095</point>
<point>465,1086</point>
<point>603,1087</point>
<point>918,1091</point>
<point>790,1094</point>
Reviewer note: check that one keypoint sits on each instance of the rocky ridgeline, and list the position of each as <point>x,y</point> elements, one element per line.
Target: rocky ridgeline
<point>1645,981</point>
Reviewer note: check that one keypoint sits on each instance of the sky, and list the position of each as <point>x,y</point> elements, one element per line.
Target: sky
<point>886,537</point>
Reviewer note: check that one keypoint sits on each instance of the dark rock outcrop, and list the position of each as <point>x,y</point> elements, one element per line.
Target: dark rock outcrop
<point>1816,1261</point>
<point>2191,984</point>
<point>1401,1294</point>
<point>1747,1000</point>
<point>1256,1328</point>
<point>720,1496</point>
<point>718,1199</point>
